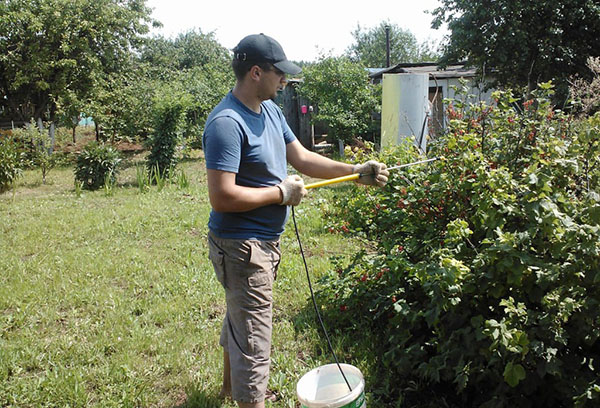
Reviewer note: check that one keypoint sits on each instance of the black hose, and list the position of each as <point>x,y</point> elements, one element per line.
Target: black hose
<point>312,295</point>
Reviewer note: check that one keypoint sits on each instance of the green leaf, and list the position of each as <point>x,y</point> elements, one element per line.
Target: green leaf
<point>513,374</point>
<point>533,179</point>
<point>594,213</point>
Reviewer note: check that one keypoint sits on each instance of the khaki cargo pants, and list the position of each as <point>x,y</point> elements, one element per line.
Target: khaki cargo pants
<point>247,269</point>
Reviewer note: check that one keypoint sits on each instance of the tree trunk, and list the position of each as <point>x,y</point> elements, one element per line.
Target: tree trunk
<point>52,130</point>
<point>530,83</point>
<point>74,121</point>
<point>97,131</point>
<point>52,133</point>
<point>40,125</point>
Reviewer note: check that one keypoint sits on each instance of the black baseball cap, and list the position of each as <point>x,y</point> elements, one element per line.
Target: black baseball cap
<point>262,48</point>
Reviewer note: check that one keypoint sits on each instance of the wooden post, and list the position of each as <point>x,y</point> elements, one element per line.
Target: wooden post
<point>387,45</point>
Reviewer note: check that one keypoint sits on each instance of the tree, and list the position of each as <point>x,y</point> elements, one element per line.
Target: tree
<point>53,49</point>
<point>345,100</point>
<point>169,117</point>
<point>370,48</point>
<point>193,64</point>
<point>198,49</point>
<point>187,51</point>
<point>206,87</point>
<point>121,103</point>
<point>524,42</point>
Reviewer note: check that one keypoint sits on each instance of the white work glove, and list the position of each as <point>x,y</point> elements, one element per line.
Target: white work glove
<point>372,173</point>
<point>292,190</point>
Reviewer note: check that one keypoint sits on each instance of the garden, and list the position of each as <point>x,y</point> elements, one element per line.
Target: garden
<point>471,280</point>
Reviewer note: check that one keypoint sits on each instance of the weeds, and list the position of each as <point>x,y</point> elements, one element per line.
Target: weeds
<point>159,178</point>
<point>181,180</point>
<point>143,179</point>
<point>78,188</point>
<point>109,184</point>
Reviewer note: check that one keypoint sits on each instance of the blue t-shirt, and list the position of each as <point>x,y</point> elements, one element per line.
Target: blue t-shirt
<point>253,146</point>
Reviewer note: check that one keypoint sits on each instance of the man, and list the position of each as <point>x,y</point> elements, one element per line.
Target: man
<point>247,145</point>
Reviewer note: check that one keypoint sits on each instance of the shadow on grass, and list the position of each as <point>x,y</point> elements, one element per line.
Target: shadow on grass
<point>201,399</point>
<point>191,160</point>
<point>31,184</point>
<point>132,161</point>
<point>128,184</point>
<point>349,343</point>
<point>136,160</point>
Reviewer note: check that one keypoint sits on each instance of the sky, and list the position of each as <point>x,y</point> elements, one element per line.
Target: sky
<point>305,29</point>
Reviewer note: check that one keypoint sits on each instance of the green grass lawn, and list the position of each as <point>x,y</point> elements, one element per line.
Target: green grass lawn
<point>108,299</point>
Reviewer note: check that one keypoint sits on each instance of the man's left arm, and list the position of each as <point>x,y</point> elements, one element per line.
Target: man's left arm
<point>314,165</point>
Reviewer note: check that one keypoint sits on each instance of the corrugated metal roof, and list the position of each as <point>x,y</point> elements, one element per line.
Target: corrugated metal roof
<point>431,68</point>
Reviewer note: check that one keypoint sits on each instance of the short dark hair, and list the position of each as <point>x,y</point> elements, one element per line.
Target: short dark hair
<point>241,67</point>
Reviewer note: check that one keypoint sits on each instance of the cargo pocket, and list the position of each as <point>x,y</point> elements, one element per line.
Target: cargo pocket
<point>259,276</point>
<point>250,332</point>
<point>218,261</point>
<point>258,279</point>
<point>260,266</point>
<point>277,259</point>
<point>217,257</point>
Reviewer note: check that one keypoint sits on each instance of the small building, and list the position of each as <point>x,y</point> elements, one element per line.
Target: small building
<point>297,110</point>
<point>413,95</point>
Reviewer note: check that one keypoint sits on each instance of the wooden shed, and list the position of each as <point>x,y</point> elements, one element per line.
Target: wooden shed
<point>297,111</point>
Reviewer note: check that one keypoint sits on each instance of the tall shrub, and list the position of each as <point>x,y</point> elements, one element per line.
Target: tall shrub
<point>10,167</point>
<point>486,284</point>
<point>168,117</point>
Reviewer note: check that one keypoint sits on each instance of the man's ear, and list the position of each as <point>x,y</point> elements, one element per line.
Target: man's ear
<point>255,72</point>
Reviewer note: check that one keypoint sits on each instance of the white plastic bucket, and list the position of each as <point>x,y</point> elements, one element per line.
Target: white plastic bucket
<point>324,387</point>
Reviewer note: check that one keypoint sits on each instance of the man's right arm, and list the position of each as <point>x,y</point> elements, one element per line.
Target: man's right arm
<point>222,142</point>
<point>222,149</point>
<point>226,196</point>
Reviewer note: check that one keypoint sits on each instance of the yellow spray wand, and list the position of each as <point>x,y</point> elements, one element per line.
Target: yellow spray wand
<point>357,175</point>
